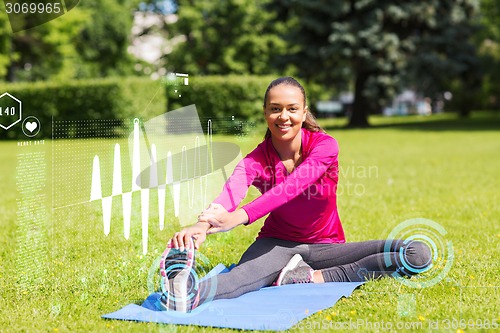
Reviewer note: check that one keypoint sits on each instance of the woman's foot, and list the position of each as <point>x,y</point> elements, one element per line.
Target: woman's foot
<point>296,271</point>
<point>179,285</point>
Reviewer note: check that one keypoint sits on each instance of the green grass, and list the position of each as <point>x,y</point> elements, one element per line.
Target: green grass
<point>438,168</point>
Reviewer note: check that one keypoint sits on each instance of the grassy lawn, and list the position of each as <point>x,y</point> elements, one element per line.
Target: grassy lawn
<point>61,276</point>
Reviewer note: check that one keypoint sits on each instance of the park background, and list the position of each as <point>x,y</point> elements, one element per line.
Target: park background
<point>109,60</point>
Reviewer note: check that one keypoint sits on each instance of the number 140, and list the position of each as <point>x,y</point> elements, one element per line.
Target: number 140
<point>8,111</point>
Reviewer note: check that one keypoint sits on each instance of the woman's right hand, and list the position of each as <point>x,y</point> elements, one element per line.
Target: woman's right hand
<point>181,239</point>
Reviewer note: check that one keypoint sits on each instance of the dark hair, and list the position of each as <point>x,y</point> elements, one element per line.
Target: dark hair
<point>310,123</point>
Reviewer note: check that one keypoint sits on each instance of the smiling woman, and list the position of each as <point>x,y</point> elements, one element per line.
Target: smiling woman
<point>300,102</point>
<point>285,112</point>
<point>302,240</point>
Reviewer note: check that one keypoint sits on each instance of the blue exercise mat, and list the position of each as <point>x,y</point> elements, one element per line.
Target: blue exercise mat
<point>270,308</point>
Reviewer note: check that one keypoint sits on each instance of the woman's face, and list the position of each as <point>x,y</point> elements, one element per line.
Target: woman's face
<point>285,111</point>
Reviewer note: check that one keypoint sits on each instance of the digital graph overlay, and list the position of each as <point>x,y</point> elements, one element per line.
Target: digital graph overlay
<point>96,191</point>
<point>171,152</point>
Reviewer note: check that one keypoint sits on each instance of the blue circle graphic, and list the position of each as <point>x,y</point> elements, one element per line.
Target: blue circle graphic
<point>433,235</point>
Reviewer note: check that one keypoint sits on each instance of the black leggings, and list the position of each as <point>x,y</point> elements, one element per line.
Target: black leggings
<point>262,262</point>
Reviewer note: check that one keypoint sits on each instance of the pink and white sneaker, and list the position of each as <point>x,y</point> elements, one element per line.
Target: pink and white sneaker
<point>296,271</point>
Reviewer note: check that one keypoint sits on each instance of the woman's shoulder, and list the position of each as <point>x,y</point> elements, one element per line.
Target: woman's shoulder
<point>261,150</point>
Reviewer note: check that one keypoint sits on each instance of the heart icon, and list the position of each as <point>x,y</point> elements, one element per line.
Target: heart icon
<point>31,126</point>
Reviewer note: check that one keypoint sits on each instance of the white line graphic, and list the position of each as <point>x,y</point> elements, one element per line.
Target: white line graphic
<point>174,185</point>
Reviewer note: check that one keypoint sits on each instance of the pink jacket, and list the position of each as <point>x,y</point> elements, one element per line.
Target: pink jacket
<point>302,204</point>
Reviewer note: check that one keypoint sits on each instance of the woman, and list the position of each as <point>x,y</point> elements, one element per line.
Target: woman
<point>302,240</point>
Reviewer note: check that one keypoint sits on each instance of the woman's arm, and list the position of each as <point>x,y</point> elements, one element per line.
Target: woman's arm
<point>214,219</point>
<point>222,212</point>
<point>236,187</point>
<point>322,156</point>
<point>320,159</point>
<point>222,220</point>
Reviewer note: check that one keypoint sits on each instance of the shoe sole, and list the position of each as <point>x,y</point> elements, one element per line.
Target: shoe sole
<point>166,290</point>
<point>290,266</point>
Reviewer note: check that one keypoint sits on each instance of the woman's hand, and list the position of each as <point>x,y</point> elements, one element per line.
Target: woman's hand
<point>221,220</point>
<point>181,239</point>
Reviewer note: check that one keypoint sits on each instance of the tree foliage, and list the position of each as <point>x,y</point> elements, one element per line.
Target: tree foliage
<point>5,42</point>
<point>446,57</point>
<point>369,46</point>
<point>40,52</point>
<point>102,41</point>
<point>227,36</point>
<point>488,41</point>
<point>89,41</point>
<point>371,42</point>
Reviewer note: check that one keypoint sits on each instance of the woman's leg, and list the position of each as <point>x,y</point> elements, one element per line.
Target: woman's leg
<point>353,262</point>
<point>258,267</point>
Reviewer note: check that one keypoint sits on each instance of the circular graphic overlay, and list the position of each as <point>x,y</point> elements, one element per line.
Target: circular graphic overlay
<point>31,126</point>
<point>434,236</point>
<point>197,273</point>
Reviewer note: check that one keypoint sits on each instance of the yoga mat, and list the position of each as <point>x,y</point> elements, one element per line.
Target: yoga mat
<point>270,308</point>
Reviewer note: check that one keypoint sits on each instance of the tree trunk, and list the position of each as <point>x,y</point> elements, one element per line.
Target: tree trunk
<point>10,77</point>
<point>464,111</point>
<point>360,107</point>
<point>467,99</point>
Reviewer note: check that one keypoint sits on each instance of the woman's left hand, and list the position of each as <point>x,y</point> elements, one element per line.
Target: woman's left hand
<point>221,220</point>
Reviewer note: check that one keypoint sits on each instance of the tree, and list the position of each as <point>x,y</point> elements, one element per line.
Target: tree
<point>5,42</point>
<point>103,40</point>
<point>488,40</point>
<point>446,57</point>
<point>370,41</point>
<point>227,36</point>
<point>41,52</point>
<point>90,40</point>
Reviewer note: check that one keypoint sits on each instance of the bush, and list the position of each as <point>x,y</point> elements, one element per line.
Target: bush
<point>230,101</point>
<point>143,98</point>
<point>113,99</point>
<point>233,103</point>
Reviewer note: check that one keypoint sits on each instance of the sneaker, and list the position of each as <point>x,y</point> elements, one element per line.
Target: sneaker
<point>296,271</point>
<point>179,290</point>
